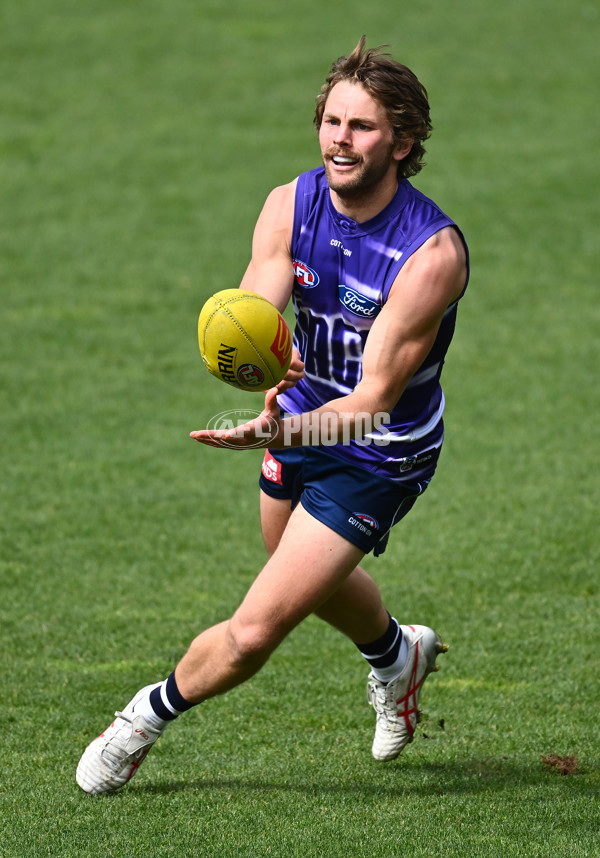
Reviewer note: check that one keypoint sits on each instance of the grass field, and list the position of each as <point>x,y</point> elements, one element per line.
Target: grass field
<point>137,144</point>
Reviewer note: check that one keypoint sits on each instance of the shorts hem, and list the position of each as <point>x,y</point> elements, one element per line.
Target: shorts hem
<point>349,534</point>
<point>274,490</point>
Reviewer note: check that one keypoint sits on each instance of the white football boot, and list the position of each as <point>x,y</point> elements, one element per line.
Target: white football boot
<point>115,756</point>
<point>396,703</point>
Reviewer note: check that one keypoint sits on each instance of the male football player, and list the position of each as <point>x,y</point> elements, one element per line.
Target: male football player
<point>375,271</point>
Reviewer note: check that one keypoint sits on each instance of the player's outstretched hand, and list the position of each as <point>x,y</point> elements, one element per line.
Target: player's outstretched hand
<point>260,432</point>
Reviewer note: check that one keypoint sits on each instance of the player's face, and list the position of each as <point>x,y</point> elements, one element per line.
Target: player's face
<point>357,144</point>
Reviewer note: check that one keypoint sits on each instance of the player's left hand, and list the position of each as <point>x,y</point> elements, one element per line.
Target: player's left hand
<point>294,373</point>
<point>259,432</point>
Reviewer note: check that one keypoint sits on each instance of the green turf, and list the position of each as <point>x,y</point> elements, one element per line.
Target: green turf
<point>137,143</point>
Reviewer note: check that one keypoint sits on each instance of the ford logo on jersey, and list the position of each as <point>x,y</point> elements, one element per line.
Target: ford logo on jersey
<point>304,275</point>
<point>357,303</point>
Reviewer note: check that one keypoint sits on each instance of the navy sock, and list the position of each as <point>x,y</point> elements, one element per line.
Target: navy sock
<point>384,650</point>
<point>166,700</point>
<point>384,654</point>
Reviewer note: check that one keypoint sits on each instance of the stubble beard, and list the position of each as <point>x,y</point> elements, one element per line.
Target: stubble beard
<point>366,179</point>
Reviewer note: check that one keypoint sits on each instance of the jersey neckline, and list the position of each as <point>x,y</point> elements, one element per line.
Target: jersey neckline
<point>352,228</point>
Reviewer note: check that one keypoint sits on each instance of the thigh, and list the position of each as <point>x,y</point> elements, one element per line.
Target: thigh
<point>309,564</point>
<point>274,516</point>
<point>280,483</point>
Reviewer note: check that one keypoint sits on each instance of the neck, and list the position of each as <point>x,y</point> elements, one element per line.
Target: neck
<point>363,207</point>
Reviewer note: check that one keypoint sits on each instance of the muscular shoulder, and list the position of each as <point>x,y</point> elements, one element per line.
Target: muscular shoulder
<point>279,205</point>
<point>270,272</point>
<point>438,267</point>
<point>274,226</point>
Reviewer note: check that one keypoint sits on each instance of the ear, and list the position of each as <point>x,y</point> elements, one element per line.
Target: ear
<point>402,149</point>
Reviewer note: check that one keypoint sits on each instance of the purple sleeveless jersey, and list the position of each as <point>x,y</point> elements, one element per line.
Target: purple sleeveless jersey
<point>344,271</point>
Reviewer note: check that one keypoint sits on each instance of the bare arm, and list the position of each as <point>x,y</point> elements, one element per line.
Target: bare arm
<point>270,272</point>
<point>405,330</point>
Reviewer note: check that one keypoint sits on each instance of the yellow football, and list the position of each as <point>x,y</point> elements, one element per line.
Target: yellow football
<point>244,340</point>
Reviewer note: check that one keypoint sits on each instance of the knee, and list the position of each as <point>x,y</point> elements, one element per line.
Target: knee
<point>251,643</point>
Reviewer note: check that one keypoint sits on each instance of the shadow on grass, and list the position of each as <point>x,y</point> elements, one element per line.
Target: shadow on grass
<point>427,779</point>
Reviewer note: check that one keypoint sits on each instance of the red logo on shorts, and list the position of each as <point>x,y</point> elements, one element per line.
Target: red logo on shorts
<point>271,469</point>
<point>368,519</point>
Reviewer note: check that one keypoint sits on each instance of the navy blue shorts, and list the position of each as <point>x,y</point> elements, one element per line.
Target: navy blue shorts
<point>359,505</point>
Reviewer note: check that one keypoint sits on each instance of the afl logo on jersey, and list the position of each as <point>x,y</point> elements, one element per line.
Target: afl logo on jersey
<point>358,304</point>
<point>304,275</point>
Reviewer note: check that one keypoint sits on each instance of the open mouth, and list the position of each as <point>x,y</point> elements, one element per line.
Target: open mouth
<point>344,161</point>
